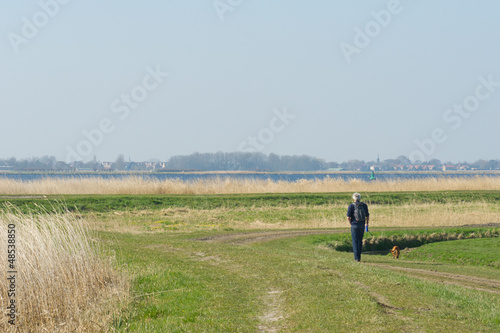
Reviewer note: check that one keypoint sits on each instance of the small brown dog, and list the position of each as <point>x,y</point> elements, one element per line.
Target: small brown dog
<point>395,252</point>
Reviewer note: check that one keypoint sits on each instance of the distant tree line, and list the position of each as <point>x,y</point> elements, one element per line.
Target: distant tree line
<point>238,161</point>
<point>45,163</point>
<point>272,162</point>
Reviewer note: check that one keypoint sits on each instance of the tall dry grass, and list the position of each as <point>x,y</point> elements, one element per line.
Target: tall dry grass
<point>138,185</point>
<point>270,217</point>
<point>63,283</point>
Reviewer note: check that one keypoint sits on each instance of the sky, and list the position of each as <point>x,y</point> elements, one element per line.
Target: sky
<point>338,80</point>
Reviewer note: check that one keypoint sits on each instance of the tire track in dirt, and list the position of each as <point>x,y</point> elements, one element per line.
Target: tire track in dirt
<point>272,300</point>
<point>471,282</point>
<point>265,236</point>
<point>23,197</point>
<point>379,299</point>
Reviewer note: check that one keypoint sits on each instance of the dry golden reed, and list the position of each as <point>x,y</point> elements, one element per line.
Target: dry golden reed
<point>138,185</point>
<point>63,284</point>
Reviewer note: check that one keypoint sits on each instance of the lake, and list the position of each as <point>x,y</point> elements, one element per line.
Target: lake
<point>290,177</point>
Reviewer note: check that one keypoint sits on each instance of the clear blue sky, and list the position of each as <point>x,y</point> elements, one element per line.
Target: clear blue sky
<point>341,94</point>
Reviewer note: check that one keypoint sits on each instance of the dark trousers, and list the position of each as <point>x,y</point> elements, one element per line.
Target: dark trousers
<point>357,232</point>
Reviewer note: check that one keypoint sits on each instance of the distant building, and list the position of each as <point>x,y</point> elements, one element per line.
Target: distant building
<point>449,167</point>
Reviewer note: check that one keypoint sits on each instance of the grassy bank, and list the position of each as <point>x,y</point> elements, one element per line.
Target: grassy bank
<point>384,240</point>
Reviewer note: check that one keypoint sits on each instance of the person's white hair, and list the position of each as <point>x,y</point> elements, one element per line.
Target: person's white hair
<point>356,196</point>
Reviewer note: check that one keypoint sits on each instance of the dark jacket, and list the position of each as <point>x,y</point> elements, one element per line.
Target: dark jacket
<point>350,211</point>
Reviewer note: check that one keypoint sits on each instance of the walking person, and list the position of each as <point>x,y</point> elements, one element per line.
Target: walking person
<point>358,216</point>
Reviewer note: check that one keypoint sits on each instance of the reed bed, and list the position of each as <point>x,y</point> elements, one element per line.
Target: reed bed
<point>137,185</point>
<point>63,283</point>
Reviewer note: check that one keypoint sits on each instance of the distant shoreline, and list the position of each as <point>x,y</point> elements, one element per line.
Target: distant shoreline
<point>396,172</point>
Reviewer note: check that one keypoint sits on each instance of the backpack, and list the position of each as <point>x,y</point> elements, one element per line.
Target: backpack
<point>359,212</point>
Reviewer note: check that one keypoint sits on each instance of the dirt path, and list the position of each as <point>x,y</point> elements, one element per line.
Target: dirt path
<point>23,197</point>
<point>272,315</point>
<point>273,312</point>
<point>265,236</point>
<point>476,283</point>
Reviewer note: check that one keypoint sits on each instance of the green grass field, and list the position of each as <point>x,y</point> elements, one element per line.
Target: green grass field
<point>265,263</point>
<point>105,203</point>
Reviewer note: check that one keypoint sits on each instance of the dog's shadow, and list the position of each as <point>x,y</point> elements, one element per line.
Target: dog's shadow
<point>379,258</point>
<point>383,254</point>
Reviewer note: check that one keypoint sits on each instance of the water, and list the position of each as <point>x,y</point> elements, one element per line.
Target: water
<point>290,177</point>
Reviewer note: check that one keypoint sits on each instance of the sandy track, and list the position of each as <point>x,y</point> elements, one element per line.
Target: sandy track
<point>23,197</point>
<point>477,283</point>
<point>265,236</point>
